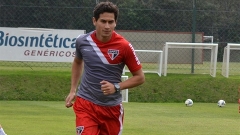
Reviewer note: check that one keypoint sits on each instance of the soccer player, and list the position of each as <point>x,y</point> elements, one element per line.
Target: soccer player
<point>2,131</point>
<point>100,58</point>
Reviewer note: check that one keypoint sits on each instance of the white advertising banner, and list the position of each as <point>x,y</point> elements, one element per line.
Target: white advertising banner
<point>38,44</point>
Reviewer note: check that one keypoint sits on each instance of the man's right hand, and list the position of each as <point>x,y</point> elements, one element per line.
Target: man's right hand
<point>69,99</point>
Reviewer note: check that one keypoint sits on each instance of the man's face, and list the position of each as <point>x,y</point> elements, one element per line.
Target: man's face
<point>104,26</point>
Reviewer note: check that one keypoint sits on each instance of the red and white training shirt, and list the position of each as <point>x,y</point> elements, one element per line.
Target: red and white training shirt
<point>104,61</point>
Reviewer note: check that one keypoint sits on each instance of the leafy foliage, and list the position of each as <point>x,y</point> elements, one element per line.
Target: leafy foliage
<point>44,85</point>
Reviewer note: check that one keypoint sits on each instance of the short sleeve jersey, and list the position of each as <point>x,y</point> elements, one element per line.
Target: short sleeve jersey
<point>103,61</point>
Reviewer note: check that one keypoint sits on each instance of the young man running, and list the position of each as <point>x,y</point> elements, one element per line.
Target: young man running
<point>103,53</point>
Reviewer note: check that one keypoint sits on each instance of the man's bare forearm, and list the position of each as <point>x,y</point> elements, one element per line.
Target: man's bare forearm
<point>77,67</point>
<point>138,78</point>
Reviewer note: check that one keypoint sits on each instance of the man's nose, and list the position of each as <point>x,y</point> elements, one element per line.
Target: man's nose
<point>107,25</point>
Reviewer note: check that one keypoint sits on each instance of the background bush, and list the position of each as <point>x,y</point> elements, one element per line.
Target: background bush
<point>55,85</point>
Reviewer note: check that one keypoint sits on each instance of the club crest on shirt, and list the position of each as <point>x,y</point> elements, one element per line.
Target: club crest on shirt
<point>113,53</point>
<point>80,130</point>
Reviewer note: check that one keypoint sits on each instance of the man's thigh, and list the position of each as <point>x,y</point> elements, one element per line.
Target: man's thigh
<point>86,126</point>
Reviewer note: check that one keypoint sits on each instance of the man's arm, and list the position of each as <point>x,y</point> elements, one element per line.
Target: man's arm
<point>77,68</point>
<point>137,78</point>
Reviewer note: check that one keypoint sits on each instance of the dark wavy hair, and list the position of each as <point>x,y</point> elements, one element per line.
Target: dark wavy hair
<point>107,6</point>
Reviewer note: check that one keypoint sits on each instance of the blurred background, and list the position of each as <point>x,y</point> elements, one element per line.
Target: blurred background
<point>217,21</point>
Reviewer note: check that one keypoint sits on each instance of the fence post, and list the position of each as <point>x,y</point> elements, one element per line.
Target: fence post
<point>193,33</point>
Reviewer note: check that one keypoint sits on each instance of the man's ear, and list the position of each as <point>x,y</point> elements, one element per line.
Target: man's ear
<point>94,21</point>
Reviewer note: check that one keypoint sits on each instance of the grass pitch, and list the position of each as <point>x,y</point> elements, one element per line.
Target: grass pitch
<point>52,118</point>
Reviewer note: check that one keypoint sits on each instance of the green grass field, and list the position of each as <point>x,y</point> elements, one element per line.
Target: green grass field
<point>52,118</point>
<point>21,82</point>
